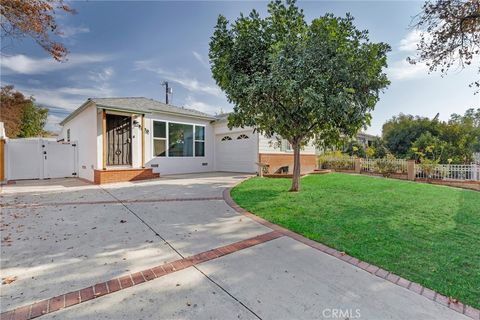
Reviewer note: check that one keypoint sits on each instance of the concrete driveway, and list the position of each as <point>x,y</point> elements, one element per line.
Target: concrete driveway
<point>146,248</point>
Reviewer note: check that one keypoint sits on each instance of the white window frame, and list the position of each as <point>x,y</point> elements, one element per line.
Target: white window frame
<point>155,138</point>
<point>167,139</point>
<point>195,140</point>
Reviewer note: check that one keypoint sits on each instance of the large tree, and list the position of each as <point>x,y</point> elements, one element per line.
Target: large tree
<point>21,116</point>
<point>400,132</point>
<point>34,119</point>
<point>450,34</point>
<point>34,19</point>
<point>453,141</point>
<point>298,80</point>
<point>12,104</point>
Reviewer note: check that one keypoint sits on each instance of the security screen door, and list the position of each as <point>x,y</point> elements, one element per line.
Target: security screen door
<point>119,140</point>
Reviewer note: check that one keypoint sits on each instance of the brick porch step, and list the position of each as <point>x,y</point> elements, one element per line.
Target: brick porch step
<point>122,175</point>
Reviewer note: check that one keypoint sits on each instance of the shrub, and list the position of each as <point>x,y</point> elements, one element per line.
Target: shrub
<point>335,160</point>
<point>386,166</point>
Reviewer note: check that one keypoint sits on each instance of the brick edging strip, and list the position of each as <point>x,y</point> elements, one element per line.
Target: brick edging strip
<point>457,306</point>
<point>75,203</point>
<point>63,301</point>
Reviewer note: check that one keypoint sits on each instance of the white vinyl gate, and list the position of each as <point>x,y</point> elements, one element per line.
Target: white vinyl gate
<point>40,159</point>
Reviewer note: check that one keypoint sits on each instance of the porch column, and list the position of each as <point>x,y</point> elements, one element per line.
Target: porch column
<point>104,139</point>
<point>143,140</point>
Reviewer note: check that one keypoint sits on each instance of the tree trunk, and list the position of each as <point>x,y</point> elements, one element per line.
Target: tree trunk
<point>296,168</point>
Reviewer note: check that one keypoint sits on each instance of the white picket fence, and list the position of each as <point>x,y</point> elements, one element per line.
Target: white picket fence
<point>461,172</point>
<point>457,172</point>
<point>371,165</point>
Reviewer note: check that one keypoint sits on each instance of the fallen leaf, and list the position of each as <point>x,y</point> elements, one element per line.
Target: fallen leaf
<point>453,300</point>
<point>8,280</point>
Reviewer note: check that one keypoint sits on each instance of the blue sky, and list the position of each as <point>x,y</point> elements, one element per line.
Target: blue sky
<point>122,48</point>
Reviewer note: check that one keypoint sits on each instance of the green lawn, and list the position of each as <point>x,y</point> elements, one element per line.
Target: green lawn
<point>425,233</point>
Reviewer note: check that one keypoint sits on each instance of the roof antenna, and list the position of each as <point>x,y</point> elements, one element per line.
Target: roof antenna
<point>168,90</point>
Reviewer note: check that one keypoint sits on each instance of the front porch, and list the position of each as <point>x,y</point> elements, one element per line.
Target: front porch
<point>123,148</point>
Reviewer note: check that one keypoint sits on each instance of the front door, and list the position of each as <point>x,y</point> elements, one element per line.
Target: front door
<point>119,140</point>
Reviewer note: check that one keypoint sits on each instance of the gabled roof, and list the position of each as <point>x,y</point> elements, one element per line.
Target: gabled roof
<point>139,105</point>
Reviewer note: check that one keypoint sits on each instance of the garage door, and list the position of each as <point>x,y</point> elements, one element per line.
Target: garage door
<point>236,152</point>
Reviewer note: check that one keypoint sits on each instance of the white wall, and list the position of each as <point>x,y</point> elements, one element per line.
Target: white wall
<point>83,130</point>
<point>172,165</point>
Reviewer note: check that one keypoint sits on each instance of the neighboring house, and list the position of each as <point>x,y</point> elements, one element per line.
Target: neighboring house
<point>365,139</point>
<point>134,138</point>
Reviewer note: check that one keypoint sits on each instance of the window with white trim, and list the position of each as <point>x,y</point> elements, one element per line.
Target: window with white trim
<point>199,141</point>
<point>172,139</point>
<point>180,140</point>
<point>159,138</point>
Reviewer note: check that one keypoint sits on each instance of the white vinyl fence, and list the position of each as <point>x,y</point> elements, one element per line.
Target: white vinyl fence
<point>462,172</point>
<point>38,158</point>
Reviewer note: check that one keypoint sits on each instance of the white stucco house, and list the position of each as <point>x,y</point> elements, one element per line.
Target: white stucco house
<point>134,138</point>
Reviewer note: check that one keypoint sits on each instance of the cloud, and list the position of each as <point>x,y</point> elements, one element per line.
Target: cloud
<point>188,82</point>
<point>403,70</point>
<point>201,106</point>
<point>203,61</point>
<point>61,101</point>
<point>101,76</point>
<point>66,98</point>
<point>53,123</point>
<point>410,41</point>
<point>28,65</point>
<point>194,85</point>
<point>70,31</point>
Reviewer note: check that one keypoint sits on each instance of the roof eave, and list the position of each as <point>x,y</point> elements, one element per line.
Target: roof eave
<point>184,115</point>
<point>134,111</point>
